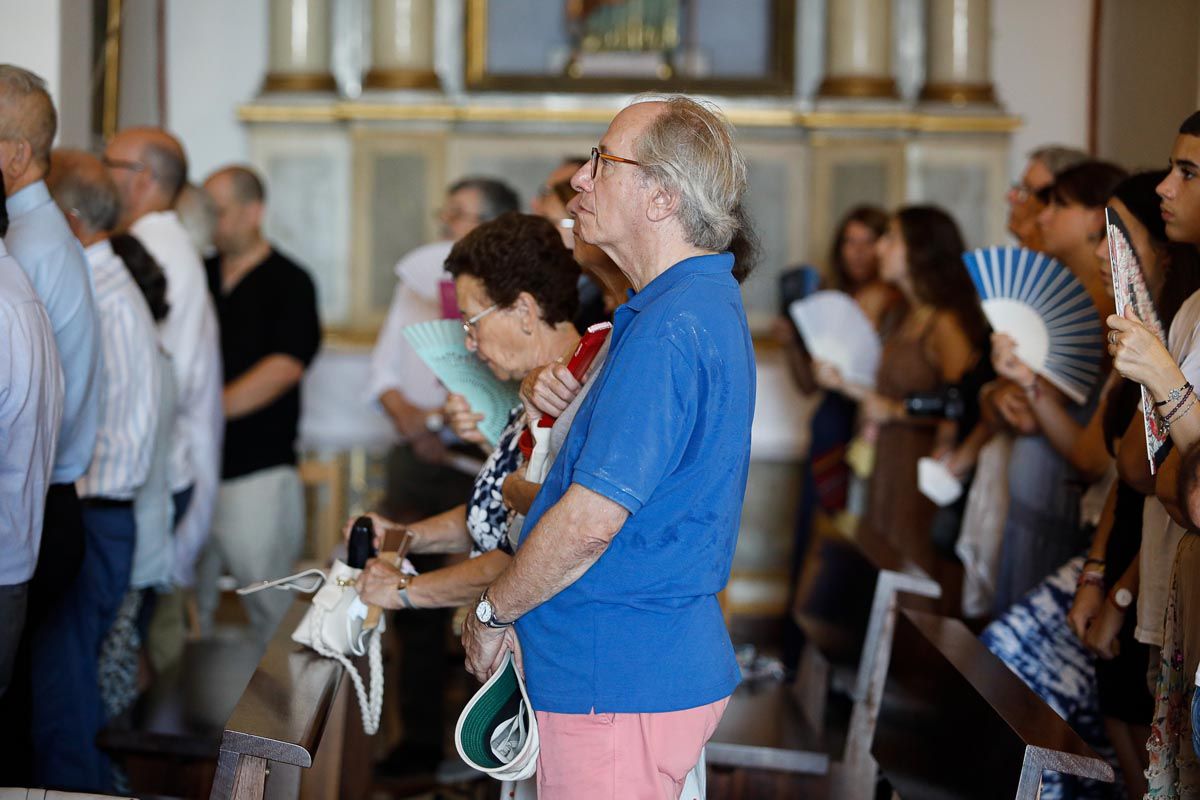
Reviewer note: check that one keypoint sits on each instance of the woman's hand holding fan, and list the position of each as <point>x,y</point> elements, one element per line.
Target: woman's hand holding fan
<point>827,376</point>
<point>462,420</point>
<point>1139,355</point>
<point>1008,364</point>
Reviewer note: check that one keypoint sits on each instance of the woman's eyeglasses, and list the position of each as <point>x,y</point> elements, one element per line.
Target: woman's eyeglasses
<point>470,324</point>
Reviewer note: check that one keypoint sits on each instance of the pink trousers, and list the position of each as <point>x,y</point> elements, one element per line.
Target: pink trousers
<point>621,756</point>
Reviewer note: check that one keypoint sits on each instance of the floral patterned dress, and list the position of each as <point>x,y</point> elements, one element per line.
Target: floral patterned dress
<point>487,516</point>
<point>1174,770</point>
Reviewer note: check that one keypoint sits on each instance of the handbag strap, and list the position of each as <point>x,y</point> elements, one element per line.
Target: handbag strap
<point>369,705</point>
<point>289,583</point>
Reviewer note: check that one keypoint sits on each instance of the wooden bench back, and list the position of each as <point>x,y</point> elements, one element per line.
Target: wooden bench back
<point>956,723</point>
<point>281,715</point>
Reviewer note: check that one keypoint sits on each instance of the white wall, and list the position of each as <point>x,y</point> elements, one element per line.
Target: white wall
<point>1040,63</point>
<point>216,60</point>
<point>32,36</point>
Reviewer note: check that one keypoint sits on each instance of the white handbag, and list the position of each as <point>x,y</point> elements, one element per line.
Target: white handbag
<point>333,628</point>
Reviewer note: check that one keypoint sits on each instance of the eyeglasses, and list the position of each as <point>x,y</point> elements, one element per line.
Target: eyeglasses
<point>117,163</point>
<point>470,324</point>
<point>453,213</point>
<point>597,155</point>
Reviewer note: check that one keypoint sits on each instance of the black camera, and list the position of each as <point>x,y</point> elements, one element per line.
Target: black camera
<point>946,403</point>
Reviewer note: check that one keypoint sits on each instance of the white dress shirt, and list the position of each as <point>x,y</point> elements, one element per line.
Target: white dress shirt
<point>394,362</point>
<point>154,555</point>
<point>189,334</point>
<point>129,402</point>
<point>40,240</point>
<point>31,404</point>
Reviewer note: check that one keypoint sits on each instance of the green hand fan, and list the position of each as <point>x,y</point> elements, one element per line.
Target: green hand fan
<point>440,345</point>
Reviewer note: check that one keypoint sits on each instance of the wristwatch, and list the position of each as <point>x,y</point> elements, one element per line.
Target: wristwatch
<point>1122,598</point>
<point>485,612</point>
<point>405,600</point>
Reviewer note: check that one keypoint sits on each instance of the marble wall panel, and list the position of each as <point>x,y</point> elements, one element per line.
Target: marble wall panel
<point>308,204</point>
<point>966,177</point>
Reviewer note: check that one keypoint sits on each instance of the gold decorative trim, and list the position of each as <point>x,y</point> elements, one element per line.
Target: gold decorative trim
<point>299,82</point>
<point>378,78</point>
<point>858,86</point>
<point>346,337</point>
<point>265,112</point>
<point>112,71</point>
<point>959,94</point>
<point>743,117</point>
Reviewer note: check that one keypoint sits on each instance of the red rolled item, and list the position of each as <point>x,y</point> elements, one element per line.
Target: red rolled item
<point>585,353</point>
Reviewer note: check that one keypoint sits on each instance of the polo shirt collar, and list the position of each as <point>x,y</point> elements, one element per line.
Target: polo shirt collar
<point>27,199</point>
<point>716,263</point>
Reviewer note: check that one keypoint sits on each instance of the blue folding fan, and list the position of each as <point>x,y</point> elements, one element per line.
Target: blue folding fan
<point>1045,309</point>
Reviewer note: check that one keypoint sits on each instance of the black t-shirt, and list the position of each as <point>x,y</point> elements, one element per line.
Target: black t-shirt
<point>273,309</point>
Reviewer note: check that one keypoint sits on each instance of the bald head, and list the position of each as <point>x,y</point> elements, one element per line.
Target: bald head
<point>237,195</point>
<point>82,188</point>
<point>28,123</point>
<point>244,183</point>
<point>149,168</point>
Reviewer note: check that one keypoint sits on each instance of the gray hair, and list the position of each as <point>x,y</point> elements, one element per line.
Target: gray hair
<point>498,197</point>
<point>90,194</point>
<point>26,111</point>
<point>168,167</point>
<point>1056,157</point>
<point>199,217</point>
<point>689,149</point>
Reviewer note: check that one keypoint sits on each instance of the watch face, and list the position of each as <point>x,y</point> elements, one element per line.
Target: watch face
<point>484,611</point>
<point>1123,597</point>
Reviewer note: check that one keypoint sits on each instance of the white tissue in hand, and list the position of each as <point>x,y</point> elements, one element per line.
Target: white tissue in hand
<point>357,609</point>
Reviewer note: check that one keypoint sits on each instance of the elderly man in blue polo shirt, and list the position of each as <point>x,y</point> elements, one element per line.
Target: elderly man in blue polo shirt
<point>613,590</point>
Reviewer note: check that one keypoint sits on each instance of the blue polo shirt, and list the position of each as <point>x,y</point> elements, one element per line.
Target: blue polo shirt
<point>664,432</point>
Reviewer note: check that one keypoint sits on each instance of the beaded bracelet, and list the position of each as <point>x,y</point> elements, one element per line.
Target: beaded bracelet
<point>1166,423</point>
<point>1090,577</point>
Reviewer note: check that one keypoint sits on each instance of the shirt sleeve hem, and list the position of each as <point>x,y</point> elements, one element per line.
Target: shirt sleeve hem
<point>606,488</point>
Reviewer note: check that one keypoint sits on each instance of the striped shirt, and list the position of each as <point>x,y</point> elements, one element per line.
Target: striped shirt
<point>129,402</point>
<point>39,239</point>
<point>31,405</point>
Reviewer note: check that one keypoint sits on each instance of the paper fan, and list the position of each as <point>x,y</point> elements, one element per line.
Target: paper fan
<point>835,329</point>
<point>440,345</point>
<point>1045,309</point>
<point>1130,291</point>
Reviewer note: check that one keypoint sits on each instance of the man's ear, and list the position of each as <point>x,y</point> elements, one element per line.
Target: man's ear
<point>662,204</point>
<point>17,155</point>
<point>257,212</point>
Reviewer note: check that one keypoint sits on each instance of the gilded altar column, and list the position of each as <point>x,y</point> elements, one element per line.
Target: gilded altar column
<point>958,52</point>
<point>858,49</point>
<point>299,48</point>
<point>401,45</point>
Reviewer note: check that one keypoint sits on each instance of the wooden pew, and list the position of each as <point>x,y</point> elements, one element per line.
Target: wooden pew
<point>956,723</point>
<point>846,604</point>
<point>169,741</point>
<point>278,723</point>
<point>764,728</point>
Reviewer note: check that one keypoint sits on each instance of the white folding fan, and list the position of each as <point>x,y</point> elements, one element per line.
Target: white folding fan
<point>440,345</point>
<point>835,329</point>
<point>1045,309</point>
